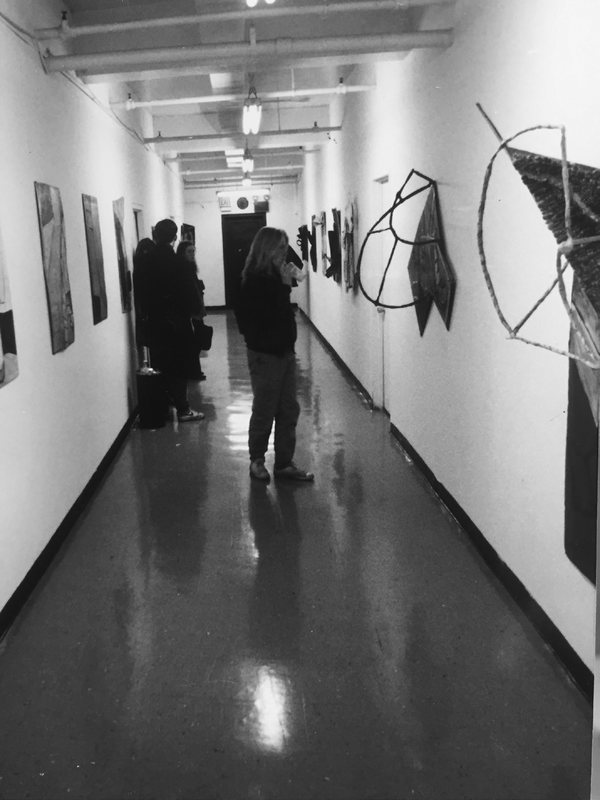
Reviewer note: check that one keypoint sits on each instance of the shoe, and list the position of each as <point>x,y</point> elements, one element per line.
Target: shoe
<point>190,416</point>
<point>294,473</point>
<point>202,376</point>
<point>258,471</point>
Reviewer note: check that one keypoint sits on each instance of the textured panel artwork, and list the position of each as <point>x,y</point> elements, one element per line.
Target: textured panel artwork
<point>543,177</point>
<point>54,256</point>
<point>124,272</point>
<point>431,277</point>
<point>334,269</point>
<point>9,368</point>
<point>95,258</point>
<point>568,197</point>
<point>348,250</point>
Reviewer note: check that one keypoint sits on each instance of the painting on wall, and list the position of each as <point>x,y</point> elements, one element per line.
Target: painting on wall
<point>95,258</point>
<point>568,197</point>
<point>322,223</point>
<point>9,367</point>
<point>187,233</point>
<point>123,263</point>
<point>348,249</point>
<point>54,258</point>
<point>334,270</point>
<point>431,276</point>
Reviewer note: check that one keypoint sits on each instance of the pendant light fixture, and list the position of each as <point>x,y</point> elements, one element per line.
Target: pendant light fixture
<point>252,113</point>
<point>247,160</point>
<point>253,3</point>
<point>247,180</point>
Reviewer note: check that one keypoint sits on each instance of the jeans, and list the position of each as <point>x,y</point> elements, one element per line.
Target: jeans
<point>273,380</point>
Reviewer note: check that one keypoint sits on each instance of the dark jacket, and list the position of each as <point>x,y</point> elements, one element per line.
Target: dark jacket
<point>265,315</point>
<point>169,298</point>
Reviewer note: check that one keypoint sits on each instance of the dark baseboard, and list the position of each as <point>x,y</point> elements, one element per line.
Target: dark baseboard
<point>347,372</point>
<point>11,610</point>
<point>575,667</point>
<point>578,671</point>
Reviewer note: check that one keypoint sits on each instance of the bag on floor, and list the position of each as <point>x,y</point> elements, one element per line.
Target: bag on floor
<point>203,334</point>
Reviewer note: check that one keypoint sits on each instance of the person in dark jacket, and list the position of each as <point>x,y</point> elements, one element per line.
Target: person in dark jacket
<point>170,299</point>
<point>186,253</point>
<point>266,319</point>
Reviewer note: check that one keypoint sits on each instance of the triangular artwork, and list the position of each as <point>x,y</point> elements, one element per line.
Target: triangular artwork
<point>431,276</point>
<point>543,177</point>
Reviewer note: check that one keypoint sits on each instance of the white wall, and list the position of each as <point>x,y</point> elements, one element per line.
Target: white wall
<point>486,414</point>
<point>202,211</point>
<point>61,414</point>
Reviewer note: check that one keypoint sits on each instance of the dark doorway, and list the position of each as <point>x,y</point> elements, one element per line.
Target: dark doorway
<point>238,232</point>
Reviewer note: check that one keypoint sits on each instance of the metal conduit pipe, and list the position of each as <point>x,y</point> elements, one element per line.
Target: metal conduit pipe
<point>322,9</point>
<point>256,173</point>
<point>236,98</point>
<point>262,186</point>
<point>258,152</point>
<point>299,48</point>
<point>197,137</point>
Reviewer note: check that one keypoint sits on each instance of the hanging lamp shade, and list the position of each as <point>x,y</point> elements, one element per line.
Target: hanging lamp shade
<point>247,160</point>
<point>252,113</point>
<point>247,179</point>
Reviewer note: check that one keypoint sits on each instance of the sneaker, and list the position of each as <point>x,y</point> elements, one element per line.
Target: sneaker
<point>258,471</point>
<point>190,416</point>
<point>294,473</point>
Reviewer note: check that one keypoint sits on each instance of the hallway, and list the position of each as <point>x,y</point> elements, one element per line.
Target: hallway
<point>201,637</point>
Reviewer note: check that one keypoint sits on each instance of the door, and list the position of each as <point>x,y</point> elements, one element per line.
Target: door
<point>238,232</point>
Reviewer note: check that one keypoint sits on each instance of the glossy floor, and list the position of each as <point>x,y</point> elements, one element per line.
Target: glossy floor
<point>200,636</point>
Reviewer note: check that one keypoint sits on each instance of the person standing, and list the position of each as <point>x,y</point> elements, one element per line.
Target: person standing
<point>266,319</point>
<point>186,253</point>
<point>171,299</point>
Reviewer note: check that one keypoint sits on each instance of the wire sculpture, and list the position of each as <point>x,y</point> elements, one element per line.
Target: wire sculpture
<point>568,195</point>
<point>432,279</point>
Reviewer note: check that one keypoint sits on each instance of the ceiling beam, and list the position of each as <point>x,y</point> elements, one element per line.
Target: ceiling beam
<point>65,30</point>
<point>245,53</point>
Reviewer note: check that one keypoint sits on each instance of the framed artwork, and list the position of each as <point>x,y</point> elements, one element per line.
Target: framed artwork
<point>54,258</point>
<point>348,250</point>
<point>187,233</point>
<point>123,264</point>
<point>95,259</point>
<point>9,367</point>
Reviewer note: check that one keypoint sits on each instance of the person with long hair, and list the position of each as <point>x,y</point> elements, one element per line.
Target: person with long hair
<point>186,254</point>
<point>267,321</point>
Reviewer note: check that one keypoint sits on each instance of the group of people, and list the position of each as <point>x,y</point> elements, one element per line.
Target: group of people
<point>169,298</point>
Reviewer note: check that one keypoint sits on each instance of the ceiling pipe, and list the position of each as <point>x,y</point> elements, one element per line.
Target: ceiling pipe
<point>244,52</point>
<point>263,185</point>
<point>226,171</point>
<point>201,137</point>
<point>236,98</point>
<point>322,9</point>
<point>299,150</point>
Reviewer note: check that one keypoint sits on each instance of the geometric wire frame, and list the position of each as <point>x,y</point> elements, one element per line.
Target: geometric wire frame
<point>430,274</point>
<point>568,243</point>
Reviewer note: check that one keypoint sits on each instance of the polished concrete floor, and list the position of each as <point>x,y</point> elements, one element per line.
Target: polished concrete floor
<point>203,637</point>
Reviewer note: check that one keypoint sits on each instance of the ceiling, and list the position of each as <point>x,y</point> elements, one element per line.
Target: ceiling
<point>178,72</point>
